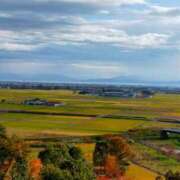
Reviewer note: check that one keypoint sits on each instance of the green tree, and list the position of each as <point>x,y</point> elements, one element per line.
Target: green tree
<point>100,153</point>
<point>51,172</point>
<point>54,155</point>
<point>20,170</point>
<point>2,131</point>
<point>75,153</point>
<point>65,162</point>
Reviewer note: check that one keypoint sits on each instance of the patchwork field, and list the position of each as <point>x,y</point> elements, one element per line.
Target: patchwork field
<point>86,115</point>
<point>83,114</point>
<point>67,125</point>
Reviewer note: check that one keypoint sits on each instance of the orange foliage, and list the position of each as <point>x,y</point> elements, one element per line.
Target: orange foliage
<point>112,169</point>
<point>111,166</point>
<point>103,178</point>
<point>119,146</point>
<point>35,168</point>
<point>4,167</point>
<point>109,178</point>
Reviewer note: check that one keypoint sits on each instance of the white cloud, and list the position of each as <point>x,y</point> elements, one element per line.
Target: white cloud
<point>85,70</point>
<point>94,33</point>
<point>21,67</point>
<point>13,41</point>
<point>100,70</point>
<point>148,40</point>
<point>82,33</point>
<point>111,2</point>
<point>100,2</point>
<point>164,11</point>
<point>17,47</point>
<point>101,67</point>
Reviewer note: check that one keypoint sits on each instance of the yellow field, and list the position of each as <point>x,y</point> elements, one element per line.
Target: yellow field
<point>78,112</point>
<point>135,172</point>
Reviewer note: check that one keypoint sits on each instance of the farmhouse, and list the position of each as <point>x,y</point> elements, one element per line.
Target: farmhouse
<point>41,102</point>
<point>166,132</point>
<point>143,94</point>
<point>117,94</point>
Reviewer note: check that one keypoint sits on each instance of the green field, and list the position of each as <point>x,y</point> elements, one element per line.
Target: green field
<point>157,106</point>
<point>84,114</point>
<point>67,125</point>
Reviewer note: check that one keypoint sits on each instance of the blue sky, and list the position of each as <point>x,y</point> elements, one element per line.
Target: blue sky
<point>61,40</point>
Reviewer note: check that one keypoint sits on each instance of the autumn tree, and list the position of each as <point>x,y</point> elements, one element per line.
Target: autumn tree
<point>119,147</point>
<point>112,152</point>
<point>13,154</point>
<point>35,167</point>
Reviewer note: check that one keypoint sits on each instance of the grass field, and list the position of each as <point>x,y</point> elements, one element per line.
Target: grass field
<point>159,105</point>
<point>65,125</point>
<point>73,122</point>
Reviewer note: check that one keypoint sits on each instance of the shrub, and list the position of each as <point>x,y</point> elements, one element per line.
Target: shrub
<point>54,155</point>
<point>65,162</point>
<point>2,131</point>
<point>2,175</point>
<point>172,176</point>
<point>51,172</point>
<point>100,153</point>
<point>75,153</point>
<point>20,170</point>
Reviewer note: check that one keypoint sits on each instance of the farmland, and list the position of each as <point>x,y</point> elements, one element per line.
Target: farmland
<point>86,115</point>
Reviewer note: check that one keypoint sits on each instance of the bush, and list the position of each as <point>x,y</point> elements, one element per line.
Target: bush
<point>100,153</point>
<point>2,131</point>
<point>172,176</point>
<point>20,170</point>
<point>2,175</point>
<point>50,172</point>
<point>75,153</point>
<point>54,155</point>
<point>66,163</point>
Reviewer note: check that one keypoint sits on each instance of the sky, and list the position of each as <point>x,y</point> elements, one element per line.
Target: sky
<point>71,40</point>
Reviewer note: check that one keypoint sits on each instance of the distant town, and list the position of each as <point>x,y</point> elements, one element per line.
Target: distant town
<point>122,91</point>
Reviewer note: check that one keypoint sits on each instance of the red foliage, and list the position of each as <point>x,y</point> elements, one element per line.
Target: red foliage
<point>111,166</point>
<point>35,168</point>
<point>103,178</point>
<point>110,178</point>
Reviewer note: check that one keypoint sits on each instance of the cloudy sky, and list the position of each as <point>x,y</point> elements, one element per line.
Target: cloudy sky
<point>61,40</point>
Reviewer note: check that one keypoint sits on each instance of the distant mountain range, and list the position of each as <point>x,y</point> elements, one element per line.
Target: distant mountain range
<point>132,80</point>
<point>36,78</point>
<point>121,79</point>
<point>126,80</point>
